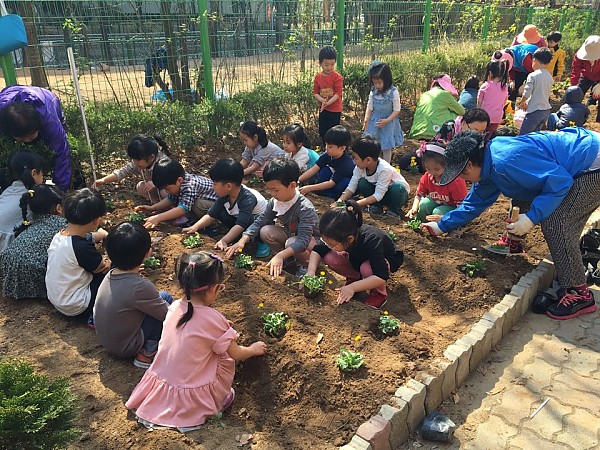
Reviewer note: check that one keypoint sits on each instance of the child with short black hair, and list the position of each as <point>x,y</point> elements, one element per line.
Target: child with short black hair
<point>296,146</point>
<point>376,180</point>
<point>327,90</point>
<point>23,262</point>
<point>189,195</point>
<point>572,113</point>
<point>334,168</point>
<point>259,150</point>
<point>129,310</point>
<point>75,268</point>
<point>364,254</point>
<point>557,64</point>
<point>237,206</point>
<point>536,95</point>
<point>144,152</point>
<point>298,231</point>
<point>468,96</point>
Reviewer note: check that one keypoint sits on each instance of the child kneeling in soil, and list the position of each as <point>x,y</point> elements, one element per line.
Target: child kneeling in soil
<point>75,268</point>
<point>259,150</point>
<point>23,263</point>
<point>364,254</point>
<point>129,310</point>
<point>191,376</point>
<point>376,180</point>
<point>144,152</point>
<point>189,195</point>
<point>299,231</point>
<point>237,206</point>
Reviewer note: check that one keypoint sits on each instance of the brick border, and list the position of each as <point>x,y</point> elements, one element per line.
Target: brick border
<point>394,423</point>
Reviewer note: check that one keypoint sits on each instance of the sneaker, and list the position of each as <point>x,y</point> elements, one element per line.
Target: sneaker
<point>146,355</point>
<point>301,271</point>
<point>90,323</point>
<point>228,401</point>
<point>262,250</point>
<point>573,303</point>
<point>374,210</point>
<point>375,300</point>
<point>506,246</point>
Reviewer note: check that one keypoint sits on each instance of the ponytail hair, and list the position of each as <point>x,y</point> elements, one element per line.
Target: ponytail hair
<point>340,222</point>
<point>40,199</point>
<point>22,163</point>
<point>195,273</point>
<point>143,147</point>
<point>251,129</point>
<point>499,68</point>
<point>296,134</point>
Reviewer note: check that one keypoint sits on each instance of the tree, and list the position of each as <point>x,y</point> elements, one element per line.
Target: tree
<point>32,55</point>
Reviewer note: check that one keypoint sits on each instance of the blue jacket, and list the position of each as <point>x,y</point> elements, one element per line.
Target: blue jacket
<point>539,167</point>
<point>468,98</point>
<point>521,51</point>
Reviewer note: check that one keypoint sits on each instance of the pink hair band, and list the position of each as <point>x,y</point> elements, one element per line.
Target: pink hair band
<point>435,148</point>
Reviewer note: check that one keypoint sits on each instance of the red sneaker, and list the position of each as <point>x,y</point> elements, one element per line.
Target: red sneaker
<point>375,300</point>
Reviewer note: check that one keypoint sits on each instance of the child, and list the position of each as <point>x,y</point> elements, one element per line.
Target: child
<point>23,263</point>
<point>573,113</point>
<point>237,206</point>
<point>188,195</point>
<point>129,311</point>
<point>432,201</point>
<point>144,151</point>
<point>327,90</point>
<point>364,254</point>
<point>28,169</point>
<point>381,117</point>
<point>373,178</point>
<point>557,65</point>
<point>75,268</point>
<point>192,373</point>
<point>297,234</point>
<point>468,96</point>
<point>295,143</point>
<point>536,94</point>
<point>334,168</point>
<point>258,151</point>
<point>493,94</point>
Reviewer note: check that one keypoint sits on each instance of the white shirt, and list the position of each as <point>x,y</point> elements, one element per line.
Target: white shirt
<point>10,212</point>
<point>383,177</point>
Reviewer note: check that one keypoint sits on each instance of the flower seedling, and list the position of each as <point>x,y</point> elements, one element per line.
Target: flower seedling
<point>349,361</point>
<point>313,285</point>
<point>340,203</point>
<point>242,261</point>
<point>255,180</point>
<point>193,241</point>
<point>110,205</point>
<point>414,224</point>
<point>135,217</point>
<point>393,236</point>
<point>473,268</point>
<point>152,262</point>
<point>275,324</point>
<point>388,326</point>
<point>413,167</point>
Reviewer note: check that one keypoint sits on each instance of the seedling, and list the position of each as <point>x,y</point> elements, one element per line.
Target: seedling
<point>135,217</point>
<point>393,236</point>
<point>340,203</point>
<point>313,285</point>
<point>193,241</point>
<point>413,167</point>
<point>414,224</point>
<point>498,246</point>
<point>388,326</point>
<point>242,261</point>
<point>255,180</point>
<point>349,361</point>
<point>110,206</point>
<point>473,268</point>
<point>152,263</point>
<point>275,324</point>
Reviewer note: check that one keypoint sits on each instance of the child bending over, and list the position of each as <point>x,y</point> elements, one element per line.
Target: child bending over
<point>295,143</point>
<point>259,150</point>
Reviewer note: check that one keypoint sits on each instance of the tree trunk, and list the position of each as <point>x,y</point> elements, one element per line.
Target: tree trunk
<point>172,67</point>
<point>32,51</point>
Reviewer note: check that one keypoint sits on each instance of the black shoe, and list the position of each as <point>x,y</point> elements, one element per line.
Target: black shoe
<point>572,304</point>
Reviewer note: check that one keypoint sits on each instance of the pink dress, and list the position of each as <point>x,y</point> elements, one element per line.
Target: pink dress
<point>191,375</point>
<point>492,97</point>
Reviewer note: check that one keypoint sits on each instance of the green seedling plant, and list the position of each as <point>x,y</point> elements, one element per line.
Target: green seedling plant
<point>473,268</point>
<point>340,203</point>
<point>275,324</point>
<point>110,205</point>
<point>498,246</point>
<point>152,263</point>
<point>193,241</point>
<point>313,283</point>
<point>349,361</point>
<point>393,236</point>
<point>242,261</point>
<point>135,217</point>
<point>414,224</point>
<point>255,180</point>
<point>388,326</point>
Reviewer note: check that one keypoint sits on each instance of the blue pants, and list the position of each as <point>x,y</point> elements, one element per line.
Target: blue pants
<point>552,121</point>
<point>325,174</point>
<point>151,327</point>
<point>534,121</point>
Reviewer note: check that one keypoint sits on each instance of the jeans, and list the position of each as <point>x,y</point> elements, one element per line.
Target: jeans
<point>534,121</point>
<point>325,174</point>
<point>151,327</point>
<point>585,84</point>
<point>552,121</point>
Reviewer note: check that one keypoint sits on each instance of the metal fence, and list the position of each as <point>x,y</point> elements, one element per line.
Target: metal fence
<point>140,51</point>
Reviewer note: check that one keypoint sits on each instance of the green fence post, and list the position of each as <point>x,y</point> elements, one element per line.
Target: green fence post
<point>563,19</point>
<point>8,69</point>
<point>486,23</point>
<point>426,26</point>
<point>530,14</point>
<point>339,34</point>
<point>206,60</point>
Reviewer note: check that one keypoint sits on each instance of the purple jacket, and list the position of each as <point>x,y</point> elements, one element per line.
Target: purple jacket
<point>53,125</point>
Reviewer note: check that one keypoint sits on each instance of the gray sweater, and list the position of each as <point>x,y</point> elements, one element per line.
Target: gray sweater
<point>537,90</point>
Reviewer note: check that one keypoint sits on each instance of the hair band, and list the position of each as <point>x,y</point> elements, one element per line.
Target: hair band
<point>217,257</point>
<point>191,264</point>
<point>202,288</point>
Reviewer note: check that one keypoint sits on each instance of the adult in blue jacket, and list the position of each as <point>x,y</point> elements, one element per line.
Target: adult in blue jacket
<point>559,173</point>
<point>28,113</point>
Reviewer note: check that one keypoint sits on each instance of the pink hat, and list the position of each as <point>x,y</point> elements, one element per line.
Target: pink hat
<point>505,57</point>
<point>529,35</point>
<point>445,83</point>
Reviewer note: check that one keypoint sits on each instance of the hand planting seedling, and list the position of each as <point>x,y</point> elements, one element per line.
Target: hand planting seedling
<point>340,203</point>
<point>135,217</point>
<point>414,224</point>
<point>349,361</point>
<point>242,261</point>
<point>152,263</point>
<point>313,285</point>
<point>193,241</point>
<point>275,324</point>
<point>473,268</point>
<point>388,326</point>
<point>393,236</point>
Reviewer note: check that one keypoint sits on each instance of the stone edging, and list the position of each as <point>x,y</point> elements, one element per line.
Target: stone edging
<point>395,421</point>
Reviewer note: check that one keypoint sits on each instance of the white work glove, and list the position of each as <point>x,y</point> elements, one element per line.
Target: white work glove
<point>433,228</point>
<point>522,226</point>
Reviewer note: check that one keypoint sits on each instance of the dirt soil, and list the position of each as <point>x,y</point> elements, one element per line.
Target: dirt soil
<point>293,397</point>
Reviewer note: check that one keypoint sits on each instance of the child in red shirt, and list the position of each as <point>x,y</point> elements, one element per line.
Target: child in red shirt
<point>327,89</point>
<point>432,201</point>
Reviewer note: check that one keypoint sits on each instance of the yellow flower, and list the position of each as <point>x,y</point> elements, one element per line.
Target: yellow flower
<point>357,338</point>
<point>571,123</point>
<point>330,282</point>
<point>239,250</point>
<point>129,202</point>
<point>385,313</point>
<point>261,305</point>
<point>322,273</point>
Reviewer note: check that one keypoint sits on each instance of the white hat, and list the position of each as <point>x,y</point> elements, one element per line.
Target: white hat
<point>590,50</point>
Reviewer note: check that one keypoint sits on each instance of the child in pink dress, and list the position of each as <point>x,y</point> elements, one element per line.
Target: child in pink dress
<point>192,373</point>
<point>493,93</point>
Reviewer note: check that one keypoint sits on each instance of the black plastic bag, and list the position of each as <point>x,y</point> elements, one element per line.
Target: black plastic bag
<point>437,427</point>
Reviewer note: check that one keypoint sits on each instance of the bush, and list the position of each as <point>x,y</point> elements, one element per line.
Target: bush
<point>35,412</point>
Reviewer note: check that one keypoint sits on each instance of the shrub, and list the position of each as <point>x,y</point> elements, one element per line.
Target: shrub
<point>35,412</point>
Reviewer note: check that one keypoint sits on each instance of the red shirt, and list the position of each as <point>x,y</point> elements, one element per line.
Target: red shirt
<point>452,194</point>
<point>327,86</point>
<point>583,68</point>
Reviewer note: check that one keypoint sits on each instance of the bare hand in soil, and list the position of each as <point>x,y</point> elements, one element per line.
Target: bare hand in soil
<point>345,294</point>
<point>275,266</point>
<point>220,245</point>
<point>146,209</point>
<point>434,218</point>
<point>96,184</point>
<point>258,348</point>
<point>190,230</point>
<point>151,222</point>
<point>233,249</point>
<point>412,213</point>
